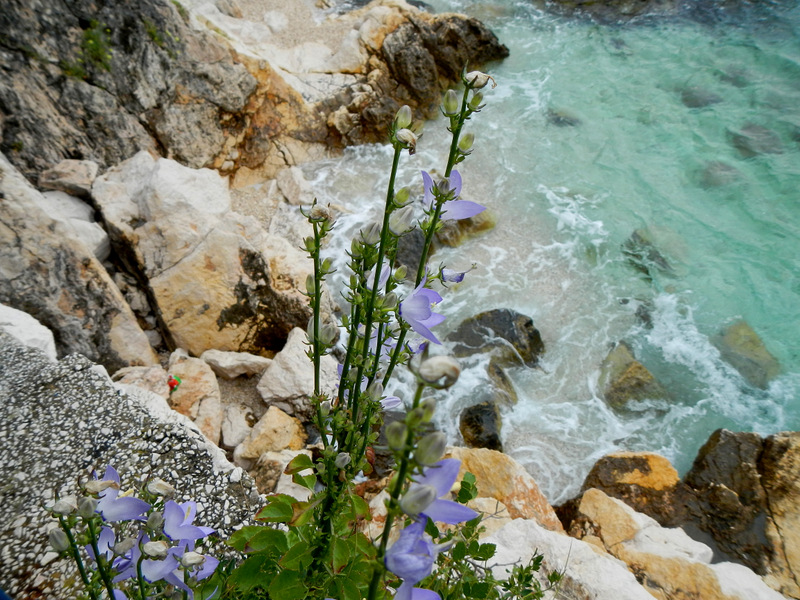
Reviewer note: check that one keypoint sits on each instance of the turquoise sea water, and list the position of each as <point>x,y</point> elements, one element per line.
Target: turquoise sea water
<point>586,139</point>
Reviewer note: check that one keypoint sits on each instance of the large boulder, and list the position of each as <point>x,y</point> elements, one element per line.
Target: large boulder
<point>48,274</point>
<point>509,335</point>
<point>216,283</point>
<point>27,330</point>
<point>59,421</point>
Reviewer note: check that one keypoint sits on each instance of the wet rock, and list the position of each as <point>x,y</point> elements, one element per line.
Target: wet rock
<point>717,173</point>
<point>699,97</point>
<point>74,177</point>
<point>644,256</point>
<point>409,250</point>
<point>624,379</point>
<point>500,477</point>
<point>454,233</point>
<point>502,392</point>
<point>480,426</point>
<point>561,118</point>
<point>752,140</point>
<point>54,278</point>
<point>612,11</point>
<point>509,335</point>
<point>741,347</point>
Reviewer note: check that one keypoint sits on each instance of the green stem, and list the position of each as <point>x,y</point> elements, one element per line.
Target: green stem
<point>317,298</point>
<point>140,577</point>
<point>101,566</point>
<point>402,471</point>
<point>73,545</point>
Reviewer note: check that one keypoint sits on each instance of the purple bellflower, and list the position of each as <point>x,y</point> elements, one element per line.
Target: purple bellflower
<point>453,209</point>
<point>105,544</point>
<point>113,508</point>
<point>431,490</point>
<point>417,310</point>
<point>412,558</point>
<point>152,569</point>
<point>178,522</point>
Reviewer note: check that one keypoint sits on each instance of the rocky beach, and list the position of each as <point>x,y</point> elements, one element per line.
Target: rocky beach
<point>150,233</point>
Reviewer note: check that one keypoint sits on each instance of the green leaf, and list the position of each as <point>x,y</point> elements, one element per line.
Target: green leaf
<point>252,572</point>
<point>468,490</point>
<point>340,551</point>
<point>302,512</point>
<point>268,538</point>
<point>360,507</point>
<point>480,589</point>
<point>347,589</point>
<point>365,547</point>
<point>297,557</point>
<point>240,538</point>
<point>299,463</point>
<point>485,551</point>
<point>288,585</point>
<point>307,481</point>
<point>279,509</point>
<point>459,551</point>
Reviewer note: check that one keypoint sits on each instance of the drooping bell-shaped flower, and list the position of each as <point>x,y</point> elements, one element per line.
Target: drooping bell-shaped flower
<point>178,522</point>
<point>453,208</point>
<point>417,310</point>
<point>113,507</point>
<point>441,477</point>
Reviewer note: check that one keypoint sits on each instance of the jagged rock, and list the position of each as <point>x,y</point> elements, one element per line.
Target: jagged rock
<point>233,364</point>
<point>288,382</point>
<point>624,379</point>
<point>74,177</point>
<point>295,187</point>
<point>740,346</point>
<point>409,250</point>
<point>752,140</point>
<point>667,562</point>
<point>134,431</point>
<point>150,81</point>
<point>27,330</point>
<point>55,279</point>
<point>218,283</point>
<point>153,379</point>
<point>79,218</point>
<point>745,497</point>
<point>644,256</point>
<point>480,426</point>
<point>269,475</point>
<point>454,233</point>
<point>509,335</point>
<point>588,574</point>
<point>237,422</point>
<point>197,396</point>
<point>500,477</point>
<point>274,432</point>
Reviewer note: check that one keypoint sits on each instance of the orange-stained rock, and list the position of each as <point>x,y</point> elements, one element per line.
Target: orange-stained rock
<point>501,477</point>
<point>198,395</point>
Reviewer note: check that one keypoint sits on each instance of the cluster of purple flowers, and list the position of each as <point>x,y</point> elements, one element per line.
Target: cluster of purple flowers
<point>417,308</point>
<point>170,557</point>
<point>413,555</point>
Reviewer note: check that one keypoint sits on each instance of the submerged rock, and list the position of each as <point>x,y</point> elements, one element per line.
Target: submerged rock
<point>644,256</point>
<point>740,346</point>
<point>624,379</point>
<point>698,97</point>
<point>509,335</point>
<point>455,233</point>
<point>752,140</point>
<point>716,173</point>
<point>561,118</point>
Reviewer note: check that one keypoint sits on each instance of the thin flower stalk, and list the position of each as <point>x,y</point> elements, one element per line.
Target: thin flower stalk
<point>73,549</point>
<point>102,566</point>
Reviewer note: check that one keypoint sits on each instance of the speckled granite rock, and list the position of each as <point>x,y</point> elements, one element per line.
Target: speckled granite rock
<point>58,420</point>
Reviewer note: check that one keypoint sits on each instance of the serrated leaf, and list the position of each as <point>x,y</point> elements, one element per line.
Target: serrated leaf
<point>299,463</point>
<point>307,481</point>
<point>288,585</point>
<point>340,552</point>
<point>485,551</point>
<point>239,538</point>
<point>297,557</point>
<point>252,572</point>
<point>360,507</point>
<point>266,539</point>
<point>347,589</point>
<point>459,551</point>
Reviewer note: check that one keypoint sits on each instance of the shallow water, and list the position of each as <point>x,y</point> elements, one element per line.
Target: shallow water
<point>595,132</point>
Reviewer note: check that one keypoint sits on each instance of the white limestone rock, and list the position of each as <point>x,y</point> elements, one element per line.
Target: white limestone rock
<point>27,330</point>
<point>231,365</point>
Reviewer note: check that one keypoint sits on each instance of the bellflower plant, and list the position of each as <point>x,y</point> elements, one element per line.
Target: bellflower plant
<point>317,547</point>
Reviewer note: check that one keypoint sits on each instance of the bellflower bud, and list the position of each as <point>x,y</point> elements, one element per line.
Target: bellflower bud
<point>371,235</point>
<point>400,273</point>
<point>450,103</point>
<point>403,118</point>
<point>434,369</point>
<point>155,521</point>
<point>431,448</point>
<point>342,460</point>
<point>402,220</point>
<point>95,486</point>
<point>390,300</point>
<point>87,508</point>
<point>465,143</point>
<point>65,506</point>
<point>156,549</point>
<point>191,559</point>
<point>320,213</point>
<point>475,101</point>
<point>477,80</point>
<point>58,540</point>
<point>402,197</point>
<point>325,408</point>
<point>408,138</point>
<point>428,406</point>
<point>310,284</point>
<point>396,434</point>
<point>328,333</point>
<point>375,390</point>
<point>159,487</point>
<point>122,548</point>
<point>418,498</point>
